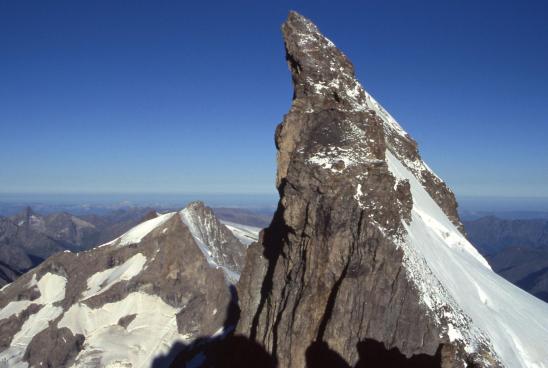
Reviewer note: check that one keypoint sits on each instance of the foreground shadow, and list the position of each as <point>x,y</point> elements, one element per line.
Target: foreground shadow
<point>240,351</point>
<point>224,351</point>
<point>231,350</point>
<point>372,354</point>
<point>320,355</point>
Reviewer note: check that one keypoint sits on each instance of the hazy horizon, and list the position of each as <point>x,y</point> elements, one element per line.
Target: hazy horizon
<point>251,201</point>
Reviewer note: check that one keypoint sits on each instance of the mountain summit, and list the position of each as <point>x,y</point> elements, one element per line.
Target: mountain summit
<point>130,302</point>
<point>366,258</point>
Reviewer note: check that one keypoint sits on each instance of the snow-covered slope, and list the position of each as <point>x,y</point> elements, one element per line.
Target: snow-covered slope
<point>126,302</point>
<point>450,273</point>
<point>475,305</point>
<point>136,234</point>
<point>151,330</point>
<point>52,290</point>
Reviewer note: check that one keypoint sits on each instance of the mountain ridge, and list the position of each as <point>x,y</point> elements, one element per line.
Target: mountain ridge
<point>125,302</point>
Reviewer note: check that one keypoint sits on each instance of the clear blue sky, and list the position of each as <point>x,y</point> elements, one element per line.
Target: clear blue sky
<point>180,96</point>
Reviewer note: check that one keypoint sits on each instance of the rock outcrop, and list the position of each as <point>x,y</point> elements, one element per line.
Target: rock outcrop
<point>365,256</point>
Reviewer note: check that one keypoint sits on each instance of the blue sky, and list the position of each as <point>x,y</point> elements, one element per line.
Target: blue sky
<point>171,97</point>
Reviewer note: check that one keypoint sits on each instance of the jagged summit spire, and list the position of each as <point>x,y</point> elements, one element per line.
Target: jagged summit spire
<point>365,247</point>
<point>295,17</point>
<point>317,66</point>
<point>340,209</point>
<point>324,79</point>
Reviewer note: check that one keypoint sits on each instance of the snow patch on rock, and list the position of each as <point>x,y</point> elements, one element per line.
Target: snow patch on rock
<point>14,307</point>
<point>104,280</point>
<point>136,234</point>
<point>52,290</point>
<point>337,159</point>
<point>135,345</point>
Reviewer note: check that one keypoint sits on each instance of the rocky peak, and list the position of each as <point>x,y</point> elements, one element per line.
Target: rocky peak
<point>199,208</point>
<point>331,142</point>
<point>219,245</point>
<point>317,66</point>
<point>324,79</point>
<point>365,255</point>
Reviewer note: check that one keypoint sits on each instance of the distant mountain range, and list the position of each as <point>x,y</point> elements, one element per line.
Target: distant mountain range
<point>515,249</point>
<point>27,238</point>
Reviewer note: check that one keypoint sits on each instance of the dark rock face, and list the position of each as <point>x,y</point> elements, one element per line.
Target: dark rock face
<point>66,230</point>
<point>28,237</point>
<point>22,247</point>
<point>14,262</point>
<point>126,320</point>
<point>327,274</point>
<point>42,353</point>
